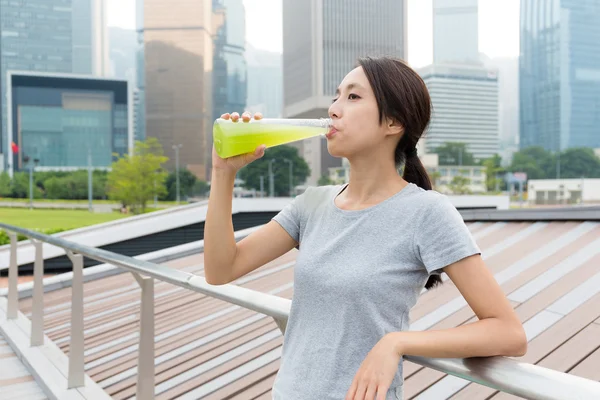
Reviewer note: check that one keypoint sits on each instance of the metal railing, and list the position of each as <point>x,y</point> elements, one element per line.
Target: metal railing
<point>500,373</point>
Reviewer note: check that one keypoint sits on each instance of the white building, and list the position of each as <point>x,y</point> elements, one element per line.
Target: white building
<point>465,107</point>
<point>322,41</point>
<point>563,191</point>
<point>475,174</point>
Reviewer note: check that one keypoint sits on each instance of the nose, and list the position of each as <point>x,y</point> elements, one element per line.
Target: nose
<point>335,110</point>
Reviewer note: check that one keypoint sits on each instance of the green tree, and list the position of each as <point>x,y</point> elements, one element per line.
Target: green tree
<point>132,179</point>
<point>494,172</point>
<point>20,186</point>
<point>535,161</point>
<point>187,180</point>
<point>251,173</point>
<point>577,163</point>
<point>324,180</point>
<point>454,153</point>
<point>460,185</point>
<point>5,188</point>
<point>200,188</point>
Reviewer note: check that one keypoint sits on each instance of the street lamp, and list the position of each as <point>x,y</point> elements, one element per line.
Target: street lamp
<point>176,148</point>
<point>31,166</point>
<point>271,179</point>
<point>291,176</point>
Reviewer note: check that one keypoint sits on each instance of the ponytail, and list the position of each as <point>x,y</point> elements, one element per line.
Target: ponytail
<point>414,172</point>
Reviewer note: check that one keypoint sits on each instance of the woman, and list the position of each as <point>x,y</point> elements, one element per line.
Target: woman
<point>366,250</point>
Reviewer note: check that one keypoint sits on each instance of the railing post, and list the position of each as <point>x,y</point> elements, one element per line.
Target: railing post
<point>13,279</point>
<point>145,377</point>
<point>76,364</point>
<point>282,324</point>
<point>37,313</point>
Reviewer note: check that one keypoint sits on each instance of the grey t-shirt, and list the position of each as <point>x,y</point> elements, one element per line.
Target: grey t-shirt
<point>357,275</point>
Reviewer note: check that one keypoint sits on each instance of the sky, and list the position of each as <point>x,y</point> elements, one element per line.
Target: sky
<point>498,26</point>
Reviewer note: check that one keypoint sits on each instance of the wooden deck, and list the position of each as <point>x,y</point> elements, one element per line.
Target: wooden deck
<point>209,349</point>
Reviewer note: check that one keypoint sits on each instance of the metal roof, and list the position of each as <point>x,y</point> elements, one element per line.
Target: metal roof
<point>206,348</point>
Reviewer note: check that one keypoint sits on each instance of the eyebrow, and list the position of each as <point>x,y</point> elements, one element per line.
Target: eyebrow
<point>349,87</point>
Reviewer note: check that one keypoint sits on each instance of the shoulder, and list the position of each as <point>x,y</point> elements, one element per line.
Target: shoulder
<point>430,198</point>
<point>434,205</point>
<point>316,196</point>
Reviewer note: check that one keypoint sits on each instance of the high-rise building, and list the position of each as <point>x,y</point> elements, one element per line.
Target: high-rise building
<point>464,91</point>
<point>559,74</point>
<point>176,84</point>
<point>455,31</point>
<point>90,38</point>
<point>465,107</point>
<point>229,67</point>
<point>139,105</point>
<point>36,35</point>
<point>265,82</point>
<point>322,41</point>
<point>508,105</point>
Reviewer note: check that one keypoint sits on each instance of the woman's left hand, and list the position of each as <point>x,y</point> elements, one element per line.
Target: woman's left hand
<point>376,372</point>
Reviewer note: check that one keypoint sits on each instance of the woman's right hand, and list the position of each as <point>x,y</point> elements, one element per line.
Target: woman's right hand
<point>235,163</point>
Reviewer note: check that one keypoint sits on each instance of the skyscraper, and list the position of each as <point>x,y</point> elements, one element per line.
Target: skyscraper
<point>465,107</point>
<point>455,31</point>
<point>90,38</point>
<point>229,65</point>
<point>464,92</point>
<point>265,82</point>
<point>175,83</point>
<point>36,36</point>
<point>559,74</point>
<point>322,41</point>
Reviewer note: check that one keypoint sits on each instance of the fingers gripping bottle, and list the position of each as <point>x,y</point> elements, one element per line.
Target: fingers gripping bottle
<point>235,138</point>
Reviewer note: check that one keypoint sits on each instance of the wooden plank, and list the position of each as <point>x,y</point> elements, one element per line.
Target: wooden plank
<point>13,381</point>
<point>240,386</point>
<point>589,368</point>
<point>258,389</point>
<point>122,363</point>
<point>218,371</point>
<point>575,350</point>
<point>199,356</point>
<point>215,304</point>
<point>545,343</point>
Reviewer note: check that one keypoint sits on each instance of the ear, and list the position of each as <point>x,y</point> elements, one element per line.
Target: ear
<point>394,127</point>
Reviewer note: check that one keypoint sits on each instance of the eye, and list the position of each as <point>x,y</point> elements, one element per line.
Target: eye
<point>353,96</point>
<point>333,100</point>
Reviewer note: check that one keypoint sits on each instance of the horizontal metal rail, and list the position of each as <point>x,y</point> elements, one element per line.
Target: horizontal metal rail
<point>500,373</point>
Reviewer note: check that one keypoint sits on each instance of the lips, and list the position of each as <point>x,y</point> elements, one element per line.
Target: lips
<point>331,133</point>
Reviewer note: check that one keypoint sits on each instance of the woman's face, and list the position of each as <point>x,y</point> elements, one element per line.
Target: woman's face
<point>355,114</point>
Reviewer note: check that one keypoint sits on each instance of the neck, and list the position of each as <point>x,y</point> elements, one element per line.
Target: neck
<point>372,181</point>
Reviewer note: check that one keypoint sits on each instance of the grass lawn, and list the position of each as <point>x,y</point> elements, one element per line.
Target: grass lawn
<point>52,219</point>
<point>11,200</point>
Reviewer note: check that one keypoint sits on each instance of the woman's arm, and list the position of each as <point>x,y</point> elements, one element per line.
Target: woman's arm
<point>498,332</point>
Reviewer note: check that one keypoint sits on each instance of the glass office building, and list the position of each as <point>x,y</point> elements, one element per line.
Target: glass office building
<point>560,74</point>
<point>229,62</point>
<point>58,120</point>
<point>35,35</point>
<point>176,91</point>
<point>322,41</point>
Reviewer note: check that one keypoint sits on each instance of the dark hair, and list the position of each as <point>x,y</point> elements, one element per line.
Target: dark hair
<point>403,96</point>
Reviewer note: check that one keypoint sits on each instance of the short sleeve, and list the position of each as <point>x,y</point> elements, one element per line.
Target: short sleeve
<point>443,238</point>
<point>289,218</point>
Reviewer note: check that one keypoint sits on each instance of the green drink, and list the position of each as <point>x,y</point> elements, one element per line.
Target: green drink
<point>235,138</point>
